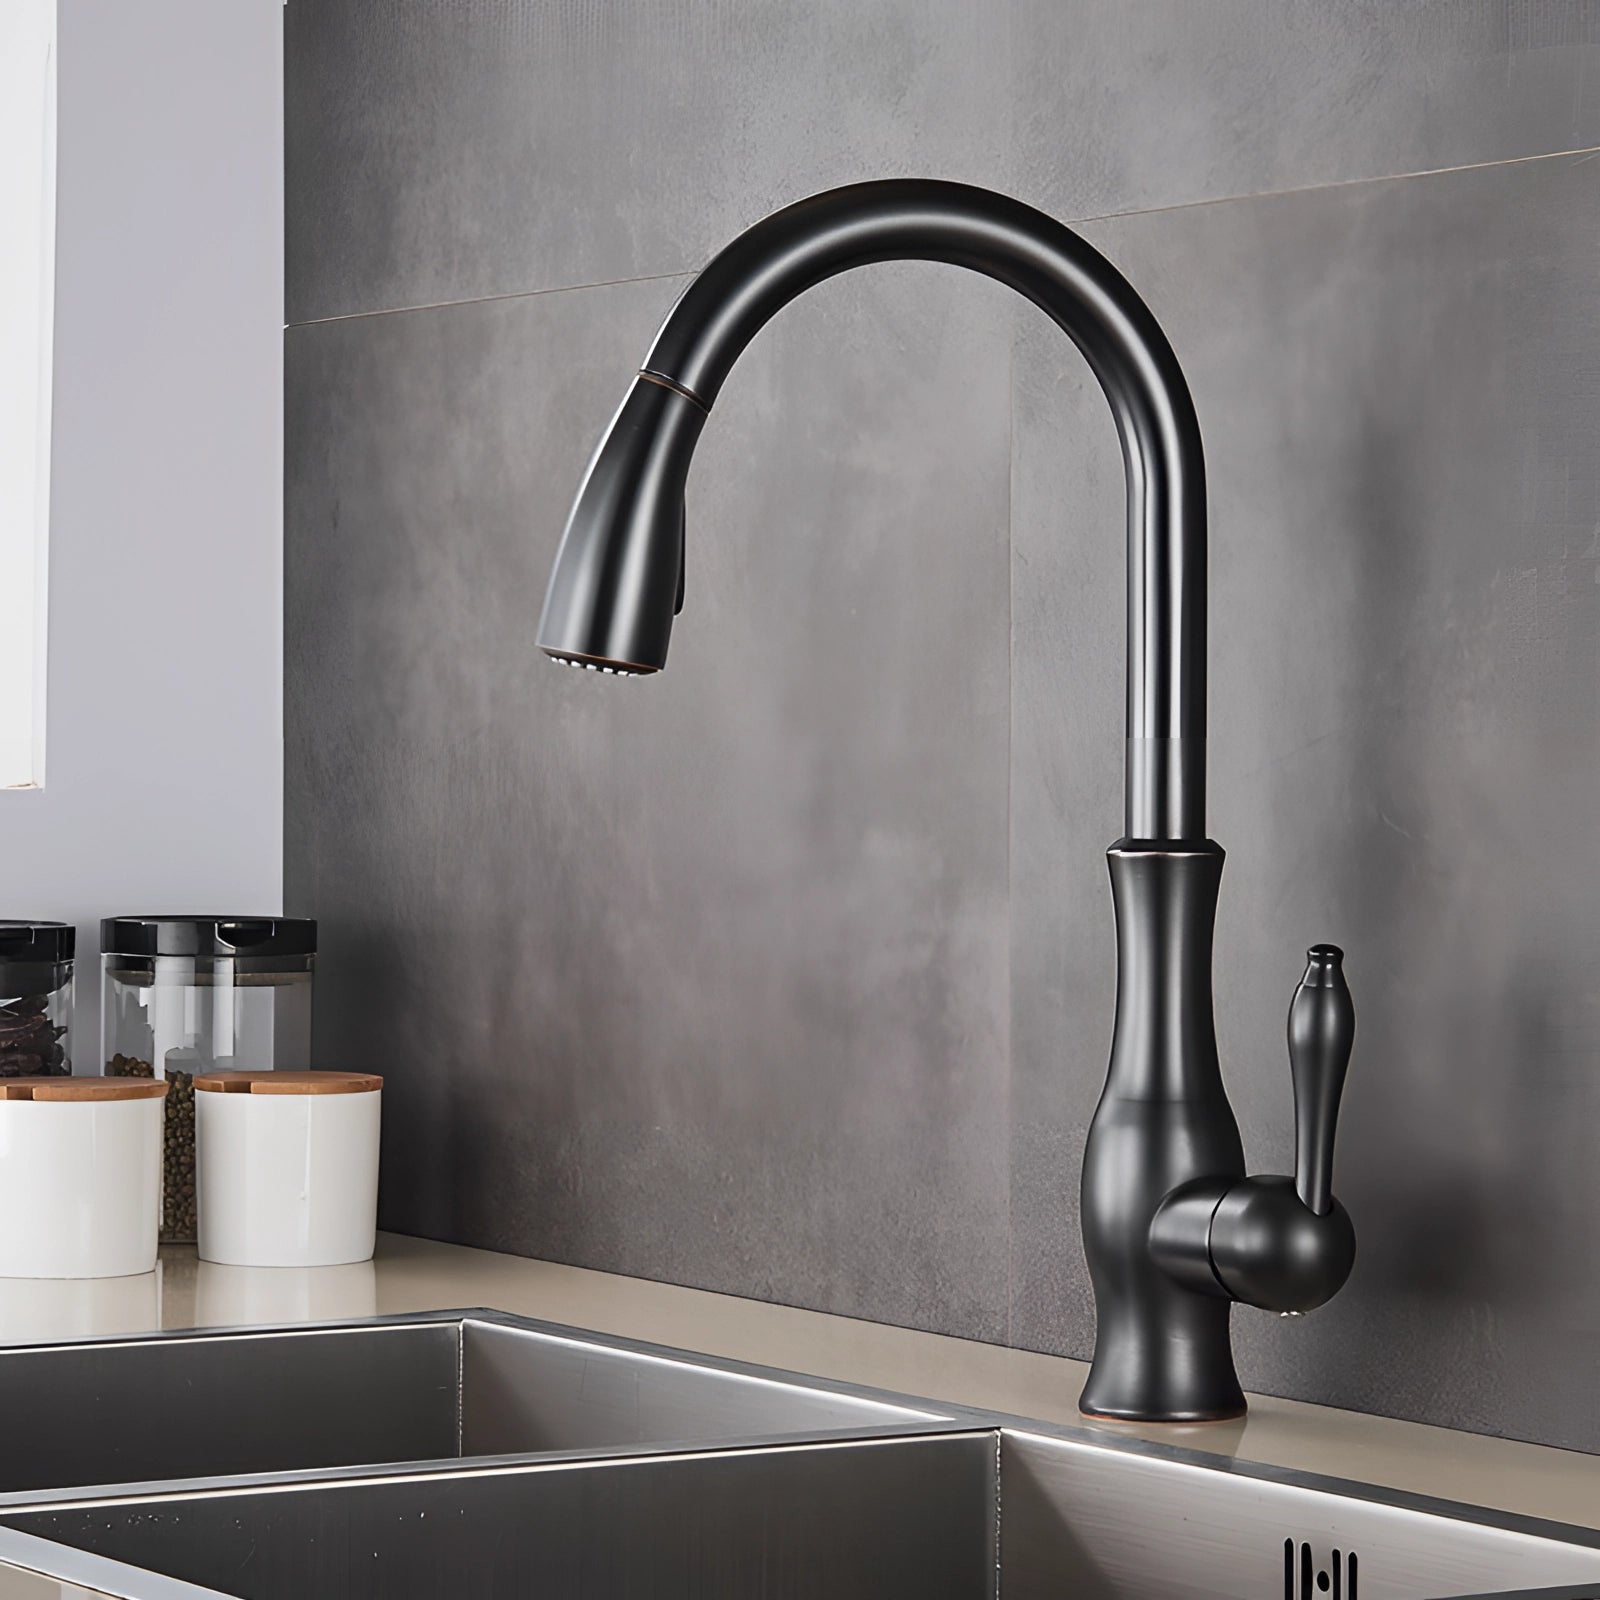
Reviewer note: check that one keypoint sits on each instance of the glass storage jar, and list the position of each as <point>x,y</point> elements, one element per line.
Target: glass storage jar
<point>181,995</point>
<point>36,990</point>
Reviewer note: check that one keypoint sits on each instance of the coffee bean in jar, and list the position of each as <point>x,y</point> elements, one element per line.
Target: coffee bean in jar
<point>30,1043</point>
<point>36,991</point>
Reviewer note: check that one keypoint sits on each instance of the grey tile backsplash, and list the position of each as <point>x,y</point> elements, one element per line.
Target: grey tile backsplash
<point>788,973</point>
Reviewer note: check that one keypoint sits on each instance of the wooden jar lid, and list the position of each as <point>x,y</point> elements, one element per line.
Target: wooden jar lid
<point>288,1082</point>
<point>82,1088</point>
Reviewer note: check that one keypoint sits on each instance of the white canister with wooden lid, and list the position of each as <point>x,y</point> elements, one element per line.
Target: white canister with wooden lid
<point>80,1176</point>
<point>286,1167</point>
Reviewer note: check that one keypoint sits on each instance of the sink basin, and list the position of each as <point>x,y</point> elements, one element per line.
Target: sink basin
<point>1090,1521</point>
<point>474,1454</point>
<point>462,1384</point>
<point>872,1520</point>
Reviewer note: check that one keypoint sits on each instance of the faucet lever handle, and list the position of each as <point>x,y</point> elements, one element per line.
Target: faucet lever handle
<point>1322,1028</point>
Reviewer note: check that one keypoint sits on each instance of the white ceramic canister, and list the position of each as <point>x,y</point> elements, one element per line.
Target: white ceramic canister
<point>80,1176</point>
<point>286,1167</point>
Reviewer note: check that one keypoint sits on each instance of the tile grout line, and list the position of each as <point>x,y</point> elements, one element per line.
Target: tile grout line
<point>486,299</point>
<point>1073,221</point>
<point>1335,183</point>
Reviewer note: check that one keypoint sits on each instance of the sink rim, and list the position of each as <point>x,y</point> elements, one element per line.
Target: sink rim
<point>99,1575</point>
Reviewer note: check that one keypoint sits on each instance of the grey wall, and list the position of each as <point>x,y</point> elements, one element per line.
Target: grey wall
<point>788,973</point>
<point>163,785</point>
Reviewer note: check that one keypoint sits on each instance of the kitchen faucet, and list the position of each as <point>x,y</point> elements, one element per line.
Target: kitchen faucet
<point>1173,1230</point>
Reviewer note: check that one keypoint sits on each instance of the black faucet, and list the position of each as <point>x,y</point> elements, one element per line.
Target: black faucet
<point>1173,1230</point>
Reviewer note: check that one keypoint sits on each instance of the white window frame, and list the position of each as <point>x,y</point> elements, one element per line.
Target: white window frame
<point>27,306</point>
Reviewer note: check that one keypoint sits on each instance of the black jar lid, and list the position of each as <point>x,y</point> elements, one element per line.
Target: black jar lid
<point>209,936</point>
<point>37,941</point>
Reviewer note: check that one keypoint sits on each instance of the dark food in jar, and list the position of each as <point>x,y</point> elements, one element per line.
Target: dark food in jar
<point>177,1147</point>
<point>30,1043</point>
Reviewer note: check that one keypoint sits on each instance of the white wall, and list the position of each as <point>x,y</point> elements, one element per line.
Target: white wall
<point>164,722</point>
<point>27,289</point>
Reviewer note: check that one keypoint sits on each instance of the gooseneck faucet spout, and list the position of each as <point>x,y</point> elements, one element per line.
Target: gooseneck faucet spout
<point>1163,1131</point>
<point>621,560</point>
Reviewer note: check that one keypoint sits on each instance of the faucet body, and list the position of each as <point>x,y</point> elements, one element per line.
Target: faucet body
<point>1173,1231</point>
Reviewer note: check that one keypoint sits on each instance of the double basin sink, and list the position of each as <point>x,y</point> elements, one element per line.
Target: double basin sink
<point>476,1454</point>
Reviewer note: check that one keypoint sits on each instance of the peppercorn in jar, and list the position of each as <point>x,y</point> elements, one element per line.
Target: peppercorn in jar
<point>186,995</point>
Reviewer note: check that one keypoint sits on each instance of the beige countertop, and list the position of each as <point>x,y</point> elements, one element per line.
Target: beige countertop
<point>419,1275</point>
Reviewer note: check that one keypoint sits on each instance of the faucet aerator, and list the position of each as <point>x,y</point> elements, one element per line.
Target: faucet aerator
<point>616,669</point>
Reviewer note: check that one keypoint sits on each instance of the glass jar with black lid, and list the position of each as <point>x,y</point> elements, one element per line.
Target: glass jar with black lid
<point>36,994</point>
<point>181,995</point>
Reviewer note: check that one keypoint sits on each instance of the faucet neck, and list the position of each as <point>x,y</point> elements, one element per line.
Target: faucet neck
<point>1165,1043</point>
<point>923,219</point>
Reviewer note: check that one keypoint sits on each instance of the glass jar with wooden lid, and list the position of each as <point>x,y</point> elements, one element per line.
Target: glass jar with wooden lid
<point>183,995</point>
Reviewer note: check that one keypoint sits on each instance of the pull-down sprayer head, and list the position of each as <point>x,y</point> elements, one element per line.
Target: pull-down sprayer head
<point>618,581</point>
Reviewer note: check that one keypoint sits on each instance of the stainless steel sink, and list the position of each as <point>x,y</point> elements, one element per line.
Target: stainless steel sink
<point>956,1516</point>
<point>606,1469</point>
<point>419,1389</point>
